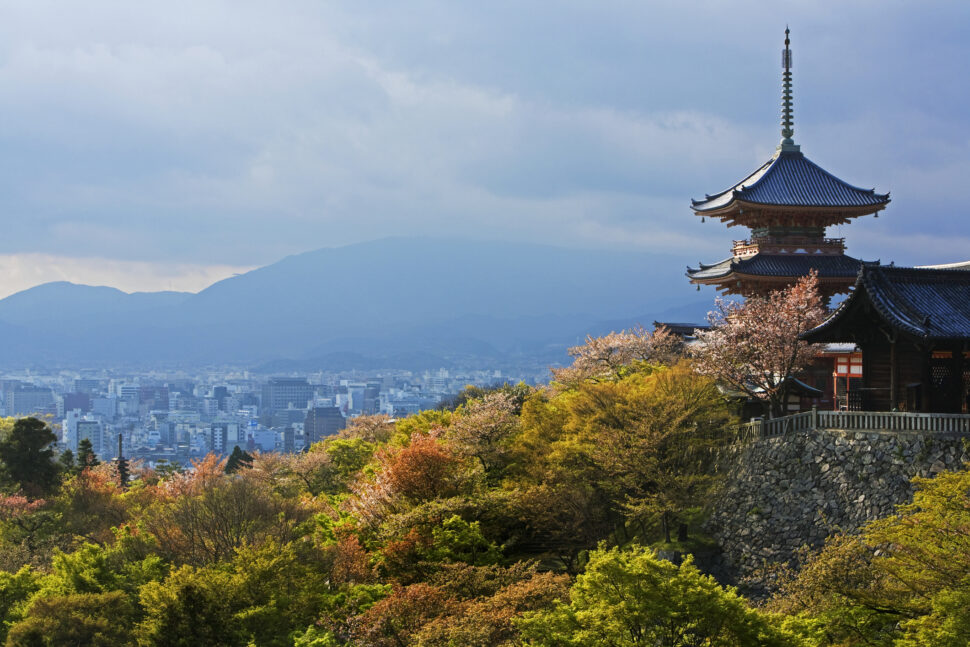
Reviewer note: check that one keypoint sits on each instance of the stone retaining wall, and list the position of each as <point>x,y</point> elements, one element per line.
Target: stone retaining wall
<point>785,492</point>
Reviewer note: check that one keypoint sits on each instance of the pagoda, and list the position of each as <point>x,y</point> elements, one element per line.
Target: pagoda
<point>787,203</point>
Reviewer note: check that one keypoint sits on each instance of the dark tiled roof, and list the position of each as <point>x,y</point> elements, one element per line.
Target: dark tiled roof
<point>791,179</point>
<point>827,265</point>
<point>924,302</point>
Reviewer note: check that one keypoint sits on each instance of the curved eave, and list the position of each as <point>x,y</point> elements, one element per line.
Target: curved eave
<point>764,278</point>
<point>865,290</point>
<point>704,274</point>
<point>742,212</point>
<point>822,332</point>
<point>784,267</point>
<point>927,304</point>
<point>905,320</point>
<point>791,180</point>
<point>721,200</point>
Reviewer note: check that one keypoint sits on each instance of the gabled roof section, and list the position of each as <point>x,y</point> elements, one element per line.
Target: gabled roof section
<point>780,265</point>
<point>790,179</point>
<point>932,304</point>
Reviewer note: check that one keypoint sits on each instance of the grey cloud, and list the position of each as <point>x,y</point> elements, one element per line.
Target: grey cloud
<point>236,133</point>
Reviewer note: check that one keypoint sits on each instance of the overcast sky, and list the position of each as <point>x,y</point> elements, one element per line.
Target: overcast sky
<point>157,145</point>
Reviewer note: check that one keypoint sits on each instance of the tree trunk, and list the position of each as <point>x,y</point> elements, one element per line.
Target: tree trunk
<point>665,522</point>
<point>682,532</point>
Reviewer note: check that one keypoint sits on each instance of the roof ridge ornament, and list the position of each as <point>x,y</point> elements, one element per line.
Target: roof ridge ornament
<point>787,122</point>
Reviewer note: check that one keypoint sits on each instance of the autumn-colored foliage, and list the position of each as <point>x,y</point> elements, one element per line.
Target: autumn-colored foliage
<point>510,516</point>
<point>425,469</point>
<point>396,619</point>
<point>93,505</point>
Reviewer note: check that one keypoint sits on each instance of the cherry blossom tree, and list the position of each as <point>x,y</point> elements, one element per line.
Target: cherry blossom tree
<point>483,429</point>
<point>603,358</point>
<point>754,346</point>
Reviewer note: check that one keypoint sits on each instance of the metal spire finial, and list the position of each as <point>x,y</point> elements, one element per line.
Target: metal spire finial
<point>787,123</point>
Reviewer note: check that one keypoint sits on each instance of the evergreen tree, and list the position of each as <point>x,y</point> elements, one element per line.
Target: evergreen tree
<point>85,455</point>
<point>66,459</point>
<point>238,460</point>
<point>27,458</point>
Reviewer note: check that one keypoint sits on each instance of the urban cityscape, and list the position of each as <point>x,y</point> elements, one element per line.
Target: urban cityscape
<point>179,417</point>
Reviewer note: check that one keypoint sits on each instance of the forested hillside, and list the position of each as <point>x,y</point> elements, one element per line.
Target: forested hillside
<point>515,516</point>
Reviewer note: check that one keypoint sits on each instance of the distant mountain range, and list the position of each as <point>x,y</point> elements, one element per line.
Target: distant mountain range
<point>392,301</point>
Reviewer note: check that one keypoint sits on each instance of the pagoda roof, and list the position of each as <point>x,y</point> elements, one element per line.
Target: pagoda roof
<point>928,303</point>
<point>779,265</point>
<point>790,179</point>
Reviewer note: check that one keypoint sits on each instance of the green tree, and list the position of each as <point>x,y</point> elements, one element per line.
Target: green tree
<point>238,460</point>
<point>315,637</point>
<point>66,460</point>
<point>261,596</point>
<point>456,540</point>
<point>91,619</point>
<point>628,454</point>
<point>85,455</point>
<point>628,598</point>
<point>189,608</point>
<point>347,457</point>
<point>27,458</point>
<point>15,591</point>
<point>165,470</point>
<point>100,569</point>
<point>904,580</point>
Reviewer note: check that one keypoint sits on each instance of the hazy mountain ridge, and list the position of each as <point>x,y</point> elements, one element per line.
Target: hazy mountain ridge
<point>385,298</point>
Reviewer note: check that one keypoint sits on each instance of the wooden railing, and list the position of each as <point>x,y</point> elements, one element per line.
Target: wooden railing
<point>941,423</point>
<point>753,246</point>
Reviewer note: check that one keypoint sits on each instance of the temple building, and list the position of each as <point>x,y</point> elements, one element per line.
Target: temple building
<point>787,203</point>
<point>913,328</point>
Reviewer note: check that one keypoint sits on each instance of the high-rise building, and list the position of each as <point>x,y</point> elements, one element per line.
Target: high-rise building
<point>223,436</point>
<point>371,401</point>
<point>93,430</point>
<point>322,422</point>
<point>106,407</point>
<point>28,399</point>
<point>87,385</point>
<point>221,394</point>
<point>79,400</point>
<point>282,392</point>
